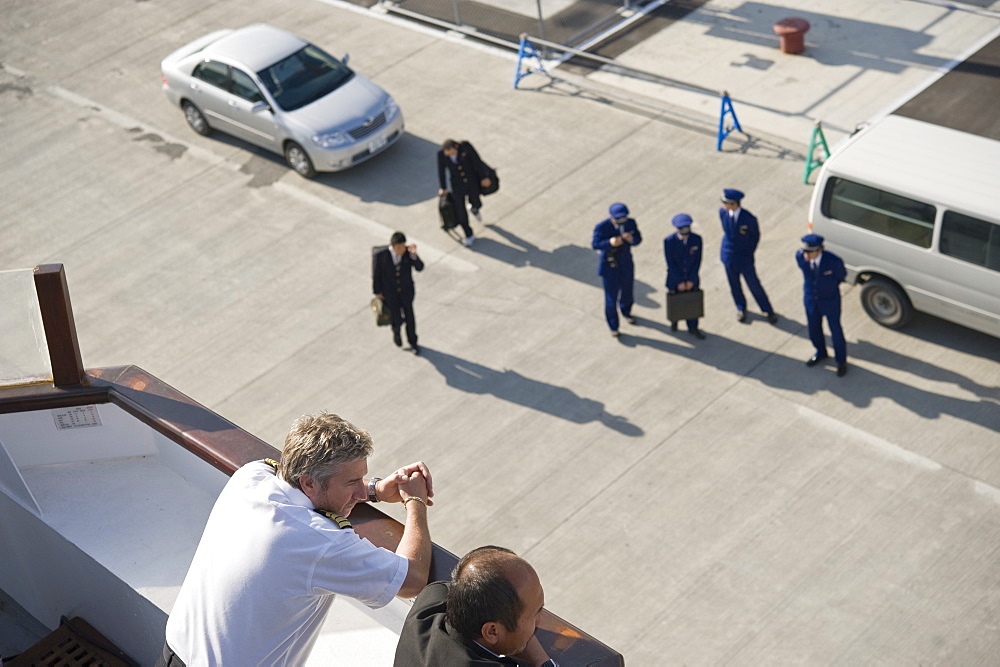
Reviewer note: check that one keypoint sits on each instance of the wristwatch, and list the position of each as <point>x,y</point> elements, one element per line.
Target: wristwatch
<point>372,498</point>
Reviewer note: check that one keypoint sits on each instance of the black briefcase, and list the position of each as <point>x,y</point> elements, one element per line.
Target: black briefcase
<point>446,207</point>
<point>688,305</point>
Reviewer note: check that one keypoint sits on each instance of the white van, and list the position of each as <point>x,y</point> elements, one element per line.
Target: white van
<point>913,209</point>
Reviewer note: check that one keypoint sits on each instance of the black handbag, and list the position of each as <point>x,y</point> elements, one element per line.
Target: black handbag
<point>688,305</point>
<point>494,185</point>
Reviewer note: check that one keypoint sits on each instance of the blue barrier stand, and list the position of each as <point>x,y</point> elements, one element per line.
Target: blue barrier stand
<point>527,50</point>
<point>727,108</point>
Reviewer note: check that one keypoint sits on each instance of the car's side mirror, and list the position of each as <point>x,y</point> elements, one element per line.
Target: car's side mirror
<point>347,56</point>
<point>260,106</point>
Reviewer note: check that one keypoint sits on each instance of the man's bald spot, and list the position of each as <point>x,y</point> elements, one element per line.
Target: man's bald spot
<point>513,567</point>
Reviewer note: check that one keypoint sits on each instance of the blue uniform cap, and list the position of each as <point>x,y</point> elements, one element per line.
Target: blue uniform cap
<point>731,196</point>
<point>618,210</point>
<point>682,220</point>
<point>812,242</point>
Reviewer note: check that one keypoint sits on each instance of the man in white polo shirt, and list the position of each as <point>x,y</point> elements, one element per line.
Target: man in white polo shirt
<point>278,548</point>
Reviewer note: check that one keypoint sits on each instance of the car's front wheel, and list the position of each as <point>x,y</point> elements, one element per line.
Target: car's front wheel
<point>196,120</point>
<point>298,160</point>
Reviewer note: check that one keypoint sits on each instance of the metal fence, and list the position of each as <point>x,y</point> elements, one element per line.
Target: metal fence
<point>566,22</point>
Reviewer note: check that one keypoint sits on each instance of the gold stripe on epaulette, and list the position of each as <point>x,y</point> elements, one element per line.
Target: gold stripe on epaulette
<point>336,518</point>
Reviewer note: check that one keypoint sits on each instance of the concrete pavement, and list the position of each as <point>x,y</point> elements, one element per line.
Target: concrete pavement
<point>683,501</point>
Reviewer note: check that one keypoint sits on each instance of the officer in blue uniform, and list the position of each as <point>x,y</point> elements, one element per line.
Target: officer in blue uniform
<point>682,250</point>
<point>740,236</point>
<point>614,238</point>
<point>823,272</point>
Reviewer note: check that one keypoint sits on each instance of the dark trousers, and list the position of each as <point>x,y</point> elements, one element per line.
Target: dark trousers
<point>749,273</point>
<point>168,658</point>
<point>617,294</point>
<point>814,315</point>
<point>462,213</point>
<point>402,312</point>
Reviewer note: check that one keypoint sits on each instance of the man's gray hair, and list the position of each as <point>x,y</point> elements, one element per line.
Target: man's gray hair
<point>318,445</point>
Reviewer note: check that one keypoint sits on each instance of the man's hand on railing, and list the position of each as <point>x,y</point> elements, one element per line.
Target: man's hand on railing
<point>387,489</point>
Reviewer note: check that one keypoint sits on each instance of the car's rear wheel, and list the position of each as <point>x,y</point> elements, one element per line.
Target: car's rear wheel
<point>298,160</point>
<point>196,120</point>
<point>886,303</point>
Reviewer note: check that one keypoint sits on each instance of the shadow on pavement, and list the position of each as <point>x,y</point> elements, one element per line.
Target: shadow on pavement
<point>570,261</point>
<point>511,386</point>
<point>860,387</point>
<point>402,175</point>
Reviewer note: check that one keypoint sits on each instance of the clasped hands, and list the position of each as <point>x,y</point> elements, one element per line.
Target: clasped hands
<point>412,480</point>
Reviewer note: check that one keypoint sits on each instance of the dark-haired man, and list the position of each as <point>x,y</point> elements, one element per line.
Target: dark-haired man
<point>462,173</point>
<point>392,281</point>
<point>486,615</point>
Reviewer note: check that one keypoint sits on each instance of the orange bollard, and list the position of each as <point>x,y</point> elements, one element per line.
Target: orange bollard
<point>791,32</point>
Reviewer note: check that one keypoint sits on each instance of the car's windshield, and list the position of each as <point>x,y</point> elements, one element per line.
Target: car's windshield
<point>304,77</point>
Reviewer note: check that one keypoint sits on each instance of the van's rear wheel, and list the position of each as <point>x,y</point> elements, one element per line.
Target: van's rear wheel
<point>886,303</point>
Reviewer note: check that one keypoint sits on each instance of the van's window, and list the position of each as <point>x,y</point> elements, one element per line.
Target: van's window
<point>879,211</point>
<point>971,239</point>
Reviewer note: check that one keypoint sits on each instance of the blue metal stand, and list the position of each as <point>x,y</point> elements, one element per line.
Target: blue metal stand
<point>527,50</point>
<point>724,130</point>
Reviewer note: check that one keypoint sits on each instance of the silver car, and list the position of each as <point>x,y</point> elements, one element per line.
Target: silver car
<point>282,93</point>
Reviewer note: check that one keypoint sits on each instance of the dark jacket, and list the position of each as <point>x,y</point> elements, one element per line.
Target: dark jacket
<point>822,287</point>
<point>739,237</point>
<point>395,283</point>
<point>428,640</point>
<point>683,260</point>
<point>615,258</point>
<point>465,173</point>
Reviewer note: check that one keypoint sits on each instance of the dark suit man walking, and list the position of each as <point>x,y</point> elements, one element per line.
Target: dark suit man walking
<point>614,237</point>
<point>462,172</point>
<point>740,236</point>
<point>392,281</point>
<point>823,272</point>
<point>682,250</point>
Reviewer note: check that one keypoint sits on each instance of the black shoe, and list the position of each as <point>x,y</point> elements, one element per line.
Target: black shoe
<point>741,316</point>
<point>815,359</point>
<point>673,325</point>
<point>841,370</point>
<point>697,333</point>
<point>772,318</point>
<point>397,339</point>
<point>416,349</point>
